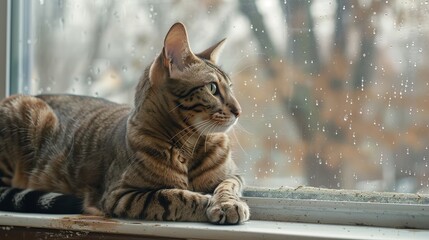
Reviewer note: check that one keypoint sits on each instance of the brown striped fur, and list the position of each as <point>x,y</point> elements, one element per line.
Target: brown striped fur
<point>167,158</point>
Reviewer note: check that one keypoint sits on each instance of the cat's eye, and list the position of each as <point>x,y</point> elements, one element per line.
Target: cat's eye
<point>212,87</point>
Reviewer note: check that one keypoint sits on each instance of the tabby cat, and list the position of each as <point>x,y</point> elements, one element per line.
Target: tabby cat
<point>167,158</point>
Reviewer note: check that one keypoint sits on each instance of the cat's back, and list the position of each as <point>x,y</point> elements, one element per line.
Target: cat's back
<point>64,132</point>
<point>43,116</point>
<point>92,122</point>
<point>81,109</point>
<point>67,104</point>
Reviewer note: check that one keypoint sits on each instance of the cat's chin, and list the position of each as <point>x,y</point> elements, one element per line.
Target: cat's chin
<point>217,126</point>
<point>220,129</point>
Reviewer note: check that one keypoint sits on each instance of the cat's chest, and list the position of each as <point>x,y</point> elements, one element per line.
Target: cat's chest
<point>203,171</point>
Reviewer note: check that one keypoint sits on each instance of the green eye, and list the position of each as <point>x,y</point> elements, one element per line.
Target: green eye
<point>212,87</point>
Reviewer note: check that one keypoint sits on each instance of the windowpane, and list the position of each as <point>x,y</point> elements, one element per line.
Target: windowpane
<point>334,93</point>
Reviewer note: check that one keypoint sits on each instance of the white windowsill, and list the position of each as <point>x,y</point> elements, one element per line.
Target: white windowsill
<point>250,230</point>
<point>339,207</point>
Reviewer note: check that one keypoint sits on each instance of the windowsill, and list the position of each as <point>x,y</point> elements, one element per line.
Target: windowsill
<point>339,207</point>
<point>286,213</point>
<point>79,225</point>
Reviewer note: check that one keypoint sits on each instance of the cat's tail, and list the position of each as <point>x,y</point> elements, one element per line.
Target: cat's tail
<point>36,201</point>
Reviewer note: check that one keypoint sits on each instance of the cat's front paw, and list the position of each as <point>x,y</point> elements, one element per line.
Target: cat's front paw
<point>228,212</point>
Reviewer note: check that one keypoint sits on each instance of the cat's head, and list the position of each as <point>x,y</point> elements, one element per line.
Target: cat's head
<point>197,92</point>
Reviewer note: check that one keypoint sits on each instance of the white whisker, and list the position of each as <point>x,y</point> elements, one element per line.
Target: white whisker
<point>208,136</point>
<point>243,129</point>
<point>248,66</point>
<point>209,126</point>
<point>238,142</point>
<point>199,125</point>
<point>203,125</point>
<point>187,128</point>
<point>175,107</point>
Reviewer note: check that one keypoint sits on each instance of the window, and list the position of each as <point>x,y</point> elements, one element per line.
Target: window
<point>334,90</point>
<point>3,48</point>
<point>334,93</point>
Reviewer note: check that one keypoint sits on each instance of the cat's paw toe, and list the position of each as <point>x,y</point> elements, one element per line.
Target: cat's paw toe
<point>230,212</point>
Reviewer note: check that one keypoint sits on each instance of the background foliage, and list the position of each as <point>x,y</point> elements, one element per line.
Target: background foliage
<point>334,92</point>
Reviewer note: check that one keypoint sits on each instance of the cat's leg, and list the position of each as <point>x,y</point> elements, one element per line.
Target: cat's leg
<point>164,204</point>
<point>25,124</point>
<point>225,206</point>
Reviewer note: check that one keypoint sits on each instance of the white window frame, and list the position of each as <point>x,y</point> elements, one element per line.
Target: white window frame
<point>342,207</point>
<point>4,47</point>
<point>80,225</point>
<point>279,206</point>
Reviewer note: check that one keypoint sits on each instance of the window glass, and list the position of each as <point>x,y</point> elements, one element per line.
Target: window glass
<point>334,93</point>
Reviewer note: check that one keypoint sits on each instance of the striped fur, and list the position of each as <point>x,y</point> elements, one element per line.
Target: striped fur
<point>166,158</point>
<point>36,201</point>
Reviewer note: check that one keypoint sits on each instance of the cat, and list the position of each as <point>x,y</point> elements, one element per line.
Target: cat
<point>166,158</point>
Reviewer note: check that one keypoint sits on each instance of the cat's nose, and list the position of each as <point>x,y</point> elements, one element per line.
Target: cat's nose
<point>234,107</point>
<point>236,110</point>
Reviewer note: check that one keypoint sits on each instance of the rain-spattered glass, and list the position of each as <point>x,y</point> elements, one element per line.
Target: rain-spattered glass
<point>334,93</point>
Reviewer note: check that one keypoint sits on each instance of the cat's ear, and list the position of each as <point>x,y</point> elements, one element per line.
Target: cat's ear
<point>177,52</point>
<point>212,53</point>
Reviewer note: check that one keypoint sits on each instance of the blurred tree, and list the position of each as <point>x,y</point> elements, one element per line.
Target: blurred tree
<point>51,51</point>
<point>354,123</point>
<point>327,151</point>
<point>302,53</point>
<point>250,10</point>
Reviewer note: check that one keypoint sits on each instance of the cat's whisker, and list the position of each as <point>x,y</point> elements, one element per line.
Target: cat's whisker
<point>238,142</point>
<point>244,69</point>
<point>185,148</point>
<point>132,158</point>
<point>205,142</point>
<point>178,105</point>
<point>208,137</point>
<point>248,66</point>
<point>200,124</point>
<point>185,142</point>
<point>187,128</point>
<point>209,127</point>
<point>238,125</point>
<point>203,126</point>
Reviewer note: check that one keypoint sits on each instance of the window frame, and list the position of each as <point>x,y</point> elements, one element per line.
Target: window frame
<point>4,47</point>
<point>306,205</point>
<point>80,226</point>
<point>342,207</point>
